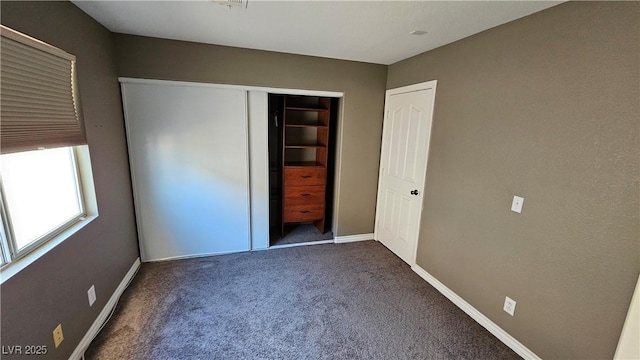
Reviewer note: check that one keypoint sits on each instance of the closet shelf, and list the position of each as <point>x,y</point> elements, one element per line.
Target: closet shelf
<point>304,146</point>
<point>306,125</point>
<point>290,164</point>
<point>302,108</point>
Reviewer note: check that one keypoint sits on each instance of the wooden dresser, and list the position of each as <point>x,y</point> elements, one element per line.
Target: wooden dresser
<point>305,156</point>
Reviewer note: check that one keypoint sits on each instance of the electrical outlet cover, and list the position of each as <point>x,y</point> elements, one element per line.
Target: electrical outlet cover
<point>58,336</point>
<point>509,305</point>
<point>91,294</point>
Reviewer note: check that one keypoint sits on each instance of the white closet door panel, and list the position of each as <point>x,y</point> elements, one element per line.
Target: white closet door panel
<point>259,167</point>
<point>189,162</point>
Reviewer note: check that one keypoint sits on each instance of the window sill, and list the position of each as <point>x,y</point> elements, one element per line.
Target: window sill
<point>14,267</point>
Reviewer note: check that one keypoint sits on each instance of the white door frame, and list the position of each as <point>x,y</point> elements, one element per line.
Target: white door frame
<point>401,90</point>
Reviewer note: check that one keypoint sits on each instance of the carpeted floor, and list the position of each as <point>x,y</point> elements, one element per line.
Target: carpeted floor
<point>299,233</point>
<point>346,301</point>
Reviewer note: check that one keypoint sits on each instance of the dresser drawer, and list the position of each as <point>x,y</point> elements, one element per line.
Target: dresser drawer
<point>301,195</point>
<point>295,176</point>
<point>299,213</point>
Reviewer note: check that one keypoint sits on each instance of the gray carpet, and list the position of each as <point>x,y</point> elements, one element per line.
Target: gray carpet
<point>334,301</point>
<point>299,233</point>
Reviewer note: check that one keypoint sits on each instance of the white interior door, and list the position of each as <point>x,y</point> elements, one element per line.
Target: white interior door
<point>190,170</point>
<point>403,164</point>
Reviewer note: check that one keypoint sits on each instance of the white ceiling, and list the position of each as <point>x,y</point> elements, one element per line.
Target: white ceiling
<point>369,31</point>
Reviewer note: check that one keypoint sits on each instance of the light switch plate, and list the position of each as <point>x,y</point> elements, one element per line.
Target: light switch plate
<point>516,205</point>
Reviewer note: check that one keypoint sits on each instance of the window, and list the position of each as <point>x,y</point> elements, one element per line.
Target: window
<point>46,187</point>
<point>41,195</point>
<point>45,197</point>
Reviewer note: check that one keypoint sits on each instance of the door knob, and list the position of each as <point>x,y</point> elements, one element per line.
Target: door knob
<point>414,192</point>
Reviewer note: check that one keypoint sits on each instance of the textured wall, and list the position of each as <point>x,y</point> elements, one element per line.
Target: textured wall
<point>363,85</point>
<point>53,290</point>
<point>546,107</point>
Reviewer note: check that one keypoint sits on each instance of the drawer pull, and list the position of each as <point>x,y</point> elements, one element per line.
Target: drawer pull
<point>307,194</point>
<point>304,211</point>
<point>305,176</point>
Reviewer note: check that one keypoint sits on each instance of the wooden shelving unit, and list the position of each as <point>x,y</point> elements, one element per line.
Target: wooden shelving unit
<point>305,157</point>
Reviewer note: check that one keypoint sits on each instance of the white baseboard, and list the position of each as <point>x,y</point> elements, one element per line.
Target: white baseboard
<point>193,256</point>
<point>352,238</point>
<point>629,343</point>
<point>493,328</point>
<point>104,314</point>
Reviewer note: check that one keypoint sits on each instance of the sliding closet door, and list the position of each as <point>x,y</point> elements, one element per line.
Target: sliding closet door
<point>189,164</point>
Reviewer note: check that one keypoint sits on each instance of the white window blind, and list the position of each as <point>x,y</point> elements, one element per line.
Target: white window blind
<point>39,99</point>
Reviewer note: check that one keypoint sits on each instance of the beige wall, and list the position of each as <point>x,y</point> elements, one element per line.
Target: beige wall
<point>546,107</point>
<point>53,290</point>
<point>363,85</point>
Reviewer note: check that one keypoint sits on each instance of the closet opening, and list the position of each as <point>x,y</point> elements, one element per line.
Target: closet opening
<point>302,137</point>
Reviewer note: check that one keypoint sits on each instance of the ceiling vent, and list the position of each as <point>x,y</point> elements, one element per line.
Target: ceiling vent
<point>232,3</point>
